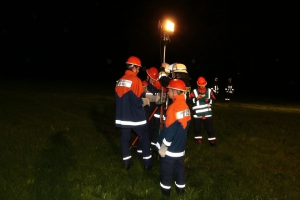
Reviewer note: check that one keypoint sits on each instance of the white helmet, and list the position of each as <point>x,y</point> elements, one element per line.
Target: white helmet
<point>179,68</point>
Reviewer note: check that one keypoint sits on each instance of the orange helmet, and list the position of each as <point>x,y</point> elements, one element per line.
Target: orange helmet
<point>152,72</point>
<point>177,84</point>
<point>201,82</point>
<point>133,60</point>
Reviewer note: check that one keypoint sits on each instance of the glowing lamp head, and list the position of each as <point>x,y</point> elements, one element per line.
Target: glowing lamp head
<point>169,26</point>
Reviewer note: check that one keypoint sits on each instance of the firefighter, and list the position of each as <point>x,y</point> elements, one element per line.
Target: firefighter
<point>166,74</point>
<point>202,99</point>
<point>160,115</point>
<point>229,90</point>
<point>180,72</point>
<point>215,87</point>
<point>176,70</point>
<point>153,91</point>
<point>171,143</point>
<point>130,114</point>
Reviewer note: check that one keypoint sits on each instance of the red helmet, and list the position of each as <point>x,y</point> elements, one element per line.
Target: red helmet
<point>201,82</point>
<point>132,60</point>
<point>152,72</point>
<point>177,84</point>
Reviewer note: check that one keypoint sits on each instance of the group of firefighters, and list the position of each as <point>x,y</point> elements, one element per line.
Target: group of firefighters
<point>229,89</point>
<point>157,110</point>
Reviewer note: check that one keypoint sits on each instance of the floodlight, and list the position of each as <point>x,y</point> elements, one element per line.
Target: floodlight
<point>169,27</point>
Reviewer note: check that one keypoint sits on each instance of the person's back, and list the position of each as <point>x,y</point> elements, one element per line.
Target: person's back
<point>130,114</point>
<point>129,110</point>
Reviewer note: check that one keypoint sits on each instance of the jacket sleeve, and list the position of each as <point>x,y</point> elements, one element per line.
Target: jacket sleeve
<point>138,90</point>
<point>169,134</point>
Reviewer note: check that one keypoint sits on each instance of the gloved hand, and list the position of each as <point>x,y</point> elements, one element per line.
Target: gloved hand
<point>199,96</point>
<point>165,65</point>
<point>157,98</point>
<point>162,99</point>
<point>145,102</point>
<point>163,149</point>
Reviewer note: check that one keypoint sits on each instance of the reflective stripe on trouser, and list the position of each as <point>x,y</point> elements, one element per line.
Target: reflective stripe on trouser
<point>208,125</point>
<point>168,169</point>
<point>227,96</point>
<point>143,135</point>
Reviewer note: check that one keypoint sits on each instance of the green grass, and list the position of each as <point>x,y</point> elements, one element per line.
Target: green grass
<point>58,141</point>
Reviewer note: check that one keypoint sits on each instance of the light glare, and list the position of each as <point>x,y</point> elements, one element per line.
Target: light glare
<point>170,26</point>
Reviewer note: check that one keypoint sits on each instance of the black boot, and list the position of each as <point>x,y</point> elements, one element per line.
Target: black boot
<point>148,167</point>
<point>127,166</point>
<point>165,192</point>
<point>212,143</point>
<point>180,190</point>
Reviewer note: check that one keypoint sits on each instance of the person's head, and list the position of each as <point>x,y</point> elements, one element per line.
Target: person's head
<point>216,79</point>
<point>229,80</point>
<point>176,87</point>
<point>201,82</point>
<point>152,74</point>
<point>180,71</point>
<point>134,64</point>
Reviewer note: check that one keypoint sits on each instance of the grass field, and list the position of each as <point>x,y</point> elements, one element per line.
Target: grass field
<point>58,141</point>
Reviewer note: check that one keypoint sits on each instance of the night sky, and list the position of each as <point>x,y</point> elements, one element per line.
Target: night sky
<point>255,43</point>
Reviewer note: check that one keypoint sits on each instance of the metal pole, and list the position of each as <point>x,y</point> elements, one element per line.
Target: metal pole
<point>165,46</point>
<point>162,88</point>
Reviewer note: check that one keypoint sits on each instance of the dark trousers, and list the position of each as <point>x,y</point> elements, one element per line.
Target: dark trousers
<point>150,123</point>
<point>156,124</point>
<point>208,126</point>
<point>228,96</point>
<point>155,130</point>
<point>169,169</point>
<point>143,140</point>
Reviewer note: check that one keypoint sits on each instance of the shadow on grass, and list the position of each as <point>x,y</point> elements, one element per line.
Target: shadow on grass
<point>106,127</point>
<point>52,168</point>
